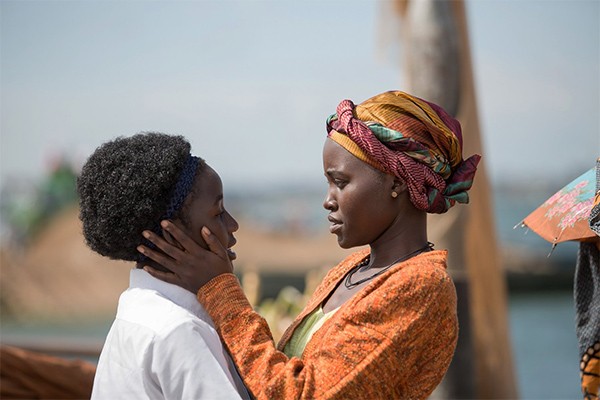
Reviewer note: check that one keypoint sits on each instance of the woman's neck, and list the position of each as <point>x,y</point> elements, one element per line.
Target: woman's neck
<point>407,234</point>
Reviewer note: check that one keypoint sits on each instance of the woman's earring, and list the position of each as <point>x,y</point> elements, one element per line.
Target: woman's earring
<point>394,194</point>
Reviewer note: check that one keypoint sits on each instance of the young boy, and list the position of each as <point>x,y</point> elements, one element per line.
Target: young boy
<point>162,344</point>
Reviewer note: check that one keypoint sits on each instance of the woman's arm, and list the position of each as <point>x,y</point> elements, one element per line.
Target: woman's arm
<point>397,346</point>
<point>394,341</point>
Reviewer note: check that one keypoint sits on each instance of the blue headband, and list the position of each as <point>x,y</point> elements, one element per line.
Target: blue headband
<point>184,185</point>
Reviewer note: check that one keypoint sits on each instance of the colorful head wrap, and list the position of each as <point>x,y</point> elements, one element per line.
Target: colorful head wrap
<point>412,139</point>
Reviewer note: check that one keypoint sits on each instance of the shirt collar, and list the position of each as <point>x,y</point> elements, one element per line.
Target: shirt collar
<point>138,278</point>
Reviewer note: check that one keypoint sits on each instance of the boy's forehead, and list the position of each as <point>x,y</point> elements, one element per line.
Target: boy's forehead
<point>211,186</point>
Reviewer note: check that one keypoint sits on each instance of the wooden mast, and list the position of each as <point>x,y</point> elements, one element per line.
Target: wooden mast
<point>438,66</point>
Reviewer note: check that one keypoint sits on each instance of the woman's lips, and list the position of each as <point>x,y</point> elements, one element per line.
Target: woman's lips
<point>336,224</point>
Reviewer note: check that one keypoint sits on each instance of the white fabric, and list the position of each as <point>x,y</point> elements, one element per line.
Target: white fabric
<point>162,345</point>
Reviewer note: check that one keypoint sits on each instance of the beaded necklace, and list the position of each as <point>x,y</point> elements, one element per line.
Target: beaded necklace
<point>348,281</point>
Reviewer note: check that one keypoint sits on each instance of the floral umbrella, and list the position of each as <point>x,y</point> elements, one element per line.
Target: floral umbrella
<point>564,216</point>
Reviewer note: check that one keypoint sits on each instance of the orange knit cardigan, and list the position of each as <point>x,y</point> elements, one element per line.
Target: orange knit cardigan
<point>394,339</point>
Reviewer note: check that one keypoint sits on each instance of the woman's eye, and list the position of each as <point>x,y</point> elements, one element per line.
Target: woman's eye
<point>339,183</point>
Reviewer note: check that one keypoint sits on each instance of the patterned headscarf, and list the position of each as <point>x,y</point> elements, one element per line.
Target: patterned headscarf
<point>412,139</point>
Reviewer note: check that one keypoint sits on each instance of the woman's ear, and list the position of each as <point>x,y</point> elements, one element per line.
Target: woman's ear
<point>398,187</point>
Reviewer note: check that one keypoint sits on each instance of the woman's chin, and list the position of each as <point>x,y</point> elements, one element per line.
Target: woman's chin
<point>344,243</point>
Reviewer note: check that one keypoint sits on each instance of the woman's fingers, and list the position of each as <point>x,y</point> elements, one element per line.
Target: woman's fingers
<point>180,236</point>
<point>173,251</point>
<point>160,258</point>
<point>213,243</point>
<point>171,240</point>
<point>192,265</point>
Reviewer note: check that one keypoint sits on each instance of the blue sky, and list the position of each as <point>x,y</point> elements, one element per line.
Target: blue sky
<point>250,83</point>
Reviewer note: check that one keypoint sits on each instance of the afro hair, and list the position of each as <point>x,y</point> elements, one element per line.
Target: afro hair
<point>125,187</point>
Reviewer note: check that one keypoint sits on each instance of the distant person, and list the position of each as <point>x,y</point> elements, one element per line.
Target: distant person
<point>383,323</point>
<point>587,303</point>
<point>162,344</point>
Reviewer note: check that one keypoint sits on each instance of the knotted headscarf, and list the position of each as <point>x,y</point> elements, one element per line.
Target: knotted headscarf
<point>412,139</point>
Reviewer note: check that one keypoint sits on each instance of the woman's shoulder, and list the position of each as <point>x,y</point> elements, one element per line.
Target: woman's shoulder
<point>422,276</point>
<point>421,288</point>
<point>425,271</point>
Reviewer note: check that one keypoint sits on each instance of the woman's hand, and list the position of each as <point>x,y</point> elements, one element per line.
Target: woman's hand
<point>191,266</point>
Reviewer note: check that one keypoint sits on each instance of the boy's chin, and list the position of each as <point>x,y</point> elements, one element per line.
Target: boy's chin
<point>231,254</point>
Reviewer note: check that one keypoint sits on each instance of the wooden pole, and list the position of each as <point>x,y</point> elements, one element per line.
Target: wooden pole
<point>495,376</point>
<point>439,68</point>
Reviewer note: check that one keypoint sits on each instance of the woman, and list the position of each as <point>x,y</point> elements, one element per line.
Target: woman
<point>383,323</point>
<point>127,185</point>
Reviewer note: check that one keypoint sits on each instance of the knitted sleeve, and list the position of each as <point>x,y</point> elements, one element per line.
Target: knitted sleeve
<point>393,340</point>
<point>267,372</point>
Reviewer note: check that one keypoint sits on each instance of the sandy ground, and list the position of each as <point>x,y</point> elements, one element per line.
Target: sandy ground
<point>57,276</point>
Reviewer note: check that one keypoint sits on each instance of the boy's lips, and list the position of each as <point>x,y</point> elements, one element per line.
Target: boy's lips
<point>232,255</point>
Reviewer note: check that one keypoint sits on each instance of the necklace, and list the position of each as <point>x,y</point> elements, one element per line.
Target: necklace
<point>348,281</point>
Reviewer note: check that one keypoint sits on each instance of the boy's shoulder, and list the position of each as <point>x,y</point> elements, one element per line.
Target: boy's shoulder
<point>160,314</point>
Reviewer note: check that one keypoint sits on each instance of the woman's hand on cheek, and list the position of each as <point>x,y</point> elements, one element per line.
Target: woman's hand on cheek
<point>191,266</point>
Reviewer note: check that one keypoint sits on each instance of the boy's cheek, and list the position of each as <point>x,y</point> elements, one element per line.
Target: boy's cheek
<point>194,234</point>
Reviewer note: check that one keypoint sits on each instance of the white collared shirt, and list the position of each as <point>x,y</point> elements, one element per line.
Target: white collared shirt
<point>162,345</point>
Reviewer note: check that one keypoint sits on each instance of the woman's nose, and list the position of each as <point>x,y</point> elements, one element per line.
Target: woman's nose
<point>330,204</point>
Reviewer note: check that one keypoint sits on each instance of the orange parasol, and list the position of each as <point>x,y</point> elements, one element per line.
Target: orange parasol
<point>564,216</point>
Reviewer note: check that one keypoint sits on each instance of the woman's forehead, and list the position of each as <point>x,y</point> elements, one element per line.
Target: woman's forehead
<point>333,152</point>
<point>337,157</point>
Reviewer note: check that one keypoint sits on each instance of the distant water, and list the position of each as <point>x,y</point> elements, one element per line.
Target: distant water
<point>545,345</point>
<point>542,327</point>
